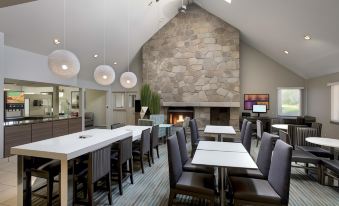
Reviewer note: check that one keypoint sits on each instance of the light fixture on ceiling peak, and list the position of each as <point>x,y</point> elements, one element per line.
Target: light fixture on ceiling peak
<point>286,52</point>
<point>96,55</point>
<point>307,37</point>
<point>56,41</point>
<point>229,1</point>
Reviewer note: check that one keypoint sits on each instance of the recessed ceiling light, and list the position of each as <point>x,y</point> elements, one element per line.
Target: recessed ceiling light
<point>228,1</point>
<point>307,37</point>
<point>96,55</point>
<point>57,41</point>
<point>285,51</point>
<point>115,63</point>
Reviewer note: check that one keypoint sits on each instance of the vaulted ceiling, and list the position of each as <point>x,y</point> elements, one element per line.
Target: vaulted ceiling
<point>271,26</point>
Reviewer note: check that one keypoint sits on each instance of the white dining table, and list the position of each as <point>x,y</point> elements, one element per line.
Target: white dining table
<point>223,160</point>
<point>219,130</point>
<point>280,126</point>
<point>136,130</point>
<point>332,143</point>
<point>68,147</point>
<point>221,146</point>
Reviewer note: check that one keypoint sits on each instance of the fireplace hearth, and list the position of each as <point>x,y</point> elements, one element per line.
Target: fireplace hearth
<point>176,115</point>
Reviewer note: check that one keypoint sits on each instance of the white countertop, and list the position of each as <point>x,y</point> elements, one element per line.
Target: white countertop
<point>280,126</point>
<point>211,129</point>
<point>324,141</point>
<point>221,146</point>
<point>224,159</point>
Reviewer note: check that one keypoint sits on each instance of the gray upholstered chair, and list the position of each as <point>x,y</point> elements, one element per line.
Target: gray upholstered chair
<point>185,160</point>
<point>243,129</point>
<point>309,161</point>
<point>194,135</point>
<point>117,125</point>
<point>275,190</point>
<point>260,130</point>
<point>292,133</point>
<point>330,168</point>
<point>99,167</point>
<point>155,141</point>
<point>145,122</point>
<point>248,137</point>
<point>187,183</point>
<point>304,132</point>
<point>263,161</point>
<point>120,158</point>
<point>143,147</point>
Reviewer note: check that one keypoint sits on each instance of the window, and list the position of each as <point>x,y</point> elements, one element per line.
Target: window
<point>290,101</point>
<point>335,102</point>
<point>119,100</point>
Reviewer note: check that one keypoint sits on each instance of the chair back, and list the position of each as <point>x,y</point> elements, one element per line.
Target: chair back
<point>318,127</point>
<point>155,136</point>
<point>243,129</point>
<point>125,149</point>
<point>99,163</point>
<point>145,141</point>
<point>303,133</point>
<point>280,170</point>
<point>284,137</point>
<point>248,137</point>
<point>260,129</point>
<point>182,146</point>
<point>145,122</point>
<point>174,160</point>
<point>292,133</point>
<point>186,122</point>
<point>194,131</point>
<point>265,154</point>
<point>117,125</point>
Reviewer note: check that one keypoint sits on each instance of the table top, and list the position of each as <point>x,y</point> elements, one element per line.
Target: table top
<point>165,125</point>
<point>136,130</point>
<point>280,126</point>
<point>224,159</point>
<point>211,129</point>
<point>324,141</point>
<point>221,146</point>
<point>70,146</point>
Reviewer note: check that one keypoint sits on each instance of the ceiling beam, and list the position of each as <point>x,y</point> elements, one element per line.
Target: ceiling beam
<point>6,3</point>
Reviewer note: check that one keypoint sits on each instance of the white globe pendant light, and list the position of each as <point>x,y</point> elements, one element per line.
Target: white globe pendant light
<point>104,75</point>
<point>128,80</point>
<point>63,63</point>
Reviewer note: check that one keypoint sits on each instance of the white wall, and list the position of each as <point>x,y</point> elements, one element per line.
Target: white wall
<point>1,94</point>
<point>260,74</point>
<point>96,102</point>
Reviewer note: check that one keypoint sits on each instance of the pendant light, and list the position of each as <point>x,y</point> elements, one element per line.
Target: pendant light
<point>104,74</point>
<point>62,62</point>
<point>128,79</point>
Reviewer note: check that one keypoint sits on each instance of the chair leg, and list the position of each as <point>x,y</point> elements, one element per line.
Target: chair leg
<point>108,184</point>
<point>74,189</point>
<point>90,193</point>
<point>149,158</point>
<point>120,179</point>
<point>131,170</point>
<point>49,190</point>
<point>152,155</point>
<point>158,151</point>
<point>28,188</point>
<point>257,141</point>
<point>171,198</point>
<point>142,164</point>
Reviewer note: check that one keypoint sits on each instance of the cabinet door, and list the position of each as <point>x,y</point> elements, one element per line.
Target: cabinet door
<point>60,127</point>
<point>42,131</point>
<point>75,125</point>
<point>16,135</point>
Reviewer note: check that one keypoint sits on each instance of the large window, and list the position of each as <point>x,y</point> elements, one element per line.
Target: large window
<point>119,100</point>
<point>335,102</point>
<point>290,101</point>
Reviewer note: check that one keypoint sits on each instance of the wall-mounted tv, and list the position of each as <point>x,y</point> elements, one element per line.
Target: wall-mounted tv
<point>14,97</point>
<point>256,99</point>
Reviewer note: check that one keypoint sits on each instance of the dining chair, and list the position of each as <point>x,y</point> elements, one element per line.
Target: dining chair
<point>194,135</point>
<point>186,160</point>
<point>330,168</point>
<point>143,147</point>
<point>98,168</point>
<point>155,141</point>
<point>187,183</point>
<point>263,161</point>
<point>117,125</point>
<point>243,129</point>
<point>309,161</point>
<point>274,190</point>
<point>248,137</point>
<point>119,160</point>
<point>260,131</point>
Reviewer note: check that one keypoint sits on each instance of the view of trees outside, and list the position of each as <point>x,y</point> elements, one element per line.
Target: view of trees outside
<point>290,102</point>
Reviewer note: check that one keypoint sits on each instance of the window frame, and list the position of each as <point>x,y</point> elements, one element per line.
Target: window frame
<point>279,105</point>
<point>333,101</point>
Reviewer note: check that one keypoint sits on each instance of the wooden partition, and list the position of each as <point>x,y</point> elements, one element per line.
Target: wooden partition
<point>75,125</point>
<point>60,127</point>
<point>16,135</point>
<point>42,131</point>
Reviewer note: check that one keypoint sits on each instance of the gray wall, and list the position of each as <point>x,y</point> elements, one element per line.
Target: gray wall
<point>319,103</point>
<point>1,93</point>
<point>260,74</point>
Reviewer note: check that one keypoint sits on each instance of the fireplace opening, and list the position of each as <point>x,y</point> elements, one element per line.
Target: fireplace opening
<point>220,116</point>
<point>177,115</point>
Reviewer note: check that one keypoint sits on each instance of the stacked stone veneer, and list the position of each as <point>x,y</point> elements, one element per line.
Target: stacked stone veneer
<point>194,58</point>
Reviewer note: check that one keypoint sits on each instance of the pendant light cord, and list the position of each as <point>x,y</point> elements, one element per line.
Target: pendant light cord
<point>128,35</point>
<point>105,32</point>
<point>64,24</point>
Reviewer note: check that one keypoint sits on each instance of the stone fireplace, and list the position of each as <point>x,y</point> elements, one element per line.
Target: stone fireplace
<point>193,61</point>
<point>176,115</point>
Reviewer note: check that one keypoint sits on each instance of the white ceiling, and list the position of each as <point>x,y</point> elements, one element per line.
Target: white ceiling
<point>270,26</point>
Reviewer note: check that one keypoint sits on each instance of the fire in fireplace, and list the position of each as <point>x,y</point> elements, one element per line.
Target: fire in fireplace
<point>177,115</point>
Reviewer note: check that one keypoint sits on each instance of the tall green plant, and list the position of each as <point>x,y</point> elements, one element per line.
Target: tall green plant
<point>155,103</point>
<point>145,95</point>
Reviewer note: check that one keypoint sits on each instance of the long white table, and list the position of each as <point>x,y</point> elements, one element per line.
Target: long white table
<point>221,146</point>
<point>68,147</point>
<point>219,130</point>
<point>136,130</point>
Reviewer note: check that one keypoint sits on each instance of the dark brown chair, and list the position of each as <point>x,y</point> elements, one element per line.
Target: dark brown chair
<point>310,161</point>
<point>187,183</point>
<point>275,190</point>
<point>185,160</point>
<point>119,160</point>
<point>263,161</point>
<point>248,137</point>
<point>330,168</point>
<point>143,147</point>
<point>98,167</point>
<point>155,141</point>
<point>194,135</point>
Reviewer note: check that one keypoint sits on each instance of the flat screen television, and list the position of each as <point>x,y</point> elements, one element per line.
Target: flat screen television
<point>259,108</point>
<point>255,99</point>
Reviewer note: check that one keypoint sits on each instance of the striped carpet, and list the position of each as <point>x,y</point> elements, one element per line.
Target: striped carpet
<point>152,188</point>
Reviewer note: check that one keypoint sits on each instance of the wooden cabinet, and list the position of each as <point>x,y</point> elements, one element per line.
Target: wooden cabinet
<point>75,125</point>
<point>60,127</point>
<point>42,131</point>
<point>17,135</point>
